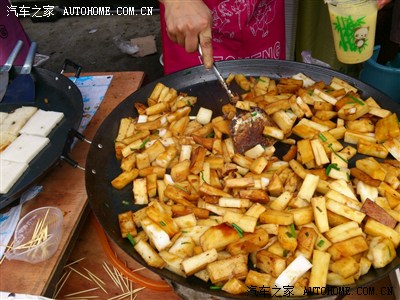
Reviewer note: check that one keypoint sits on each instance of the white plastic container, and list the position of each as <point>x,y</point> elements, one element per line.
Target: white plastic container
<point>37,235</point>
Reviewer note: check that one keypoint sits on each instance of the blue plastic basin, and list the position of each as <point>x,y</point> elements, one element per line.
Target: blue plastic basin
<point>383,77</point>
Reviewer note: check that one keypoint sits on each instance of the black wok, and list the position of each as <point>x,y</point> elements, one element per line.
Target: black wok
<point>102,167</point>
<point>54,92</point>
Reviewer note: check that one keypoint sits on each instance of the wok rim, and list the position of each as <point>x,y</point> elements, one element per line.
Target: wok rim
<point>64,94</point>
<point>197,75</point>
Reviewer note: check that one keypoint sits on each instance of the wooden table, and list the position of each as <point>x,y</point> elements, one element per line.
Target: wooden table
<point>64,187</point>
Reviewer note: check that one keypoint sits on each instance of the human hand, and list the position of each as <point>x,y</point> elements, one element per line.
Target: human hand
<point>188,23</point>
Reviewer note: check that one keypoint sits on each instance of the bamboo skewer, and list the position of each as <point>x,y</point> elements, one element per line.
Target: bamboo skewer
<point>120,281</point>
<point>122,296</point>
<point>112,276</point>
<point>59,289</point>
<point>81,298</point>
<point>96,280</point>
<point>81,292</point>
<point>84,276</point>
<point>74,262</point>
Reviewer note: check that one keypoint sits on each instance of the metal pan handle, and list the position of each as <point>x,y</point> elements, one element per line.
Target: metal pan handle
<point>26,68</point>
<point>75,66</point>
<point>13,55</point>
<point>72,134</point>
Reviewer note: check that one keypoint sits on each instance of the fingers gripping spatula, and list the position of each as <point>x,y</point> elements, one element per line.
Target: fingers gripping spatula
<point>246,126</point>
<point>22,88</point>
<point>4,76</point>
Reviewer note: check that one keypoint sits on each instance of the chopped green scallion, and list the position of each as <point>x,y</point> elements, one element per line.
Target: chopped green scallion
<point>330,167</point>
<point>320,243</point>
<point>215,287</point>
<point>202,176</point>
<point>322,137</point>
<point>356,100</point>
<point>210,135</point>
<point>131,239</point>
<point>293,230</point>
<point>146,140</point>
<point>180,187</point>
<point>337,154</point>
<point>238,229</point>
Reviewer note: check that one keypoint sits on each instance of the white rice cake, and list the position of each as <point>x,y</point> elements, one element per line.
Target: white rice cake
<point>42,123</point>
<point>10,172</point>
<point>24,148</point>
<point>3,115</point>
<point>6,139</point>
<point>14,121</point>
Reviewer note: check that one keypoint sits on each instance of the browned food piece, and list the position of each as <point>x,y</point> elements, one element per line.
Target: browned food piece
<point>254,195</point>
<point>348,247</point>
<point>218,237</point>
<point>247,130</point>
<point>270,263</point>
<point>126,224</point>
<point>291,154</point>
<point>181,210</point>
<point>373,210</point>
<point>364,177</point>
<point>141,108</point>
<point>250,242</point>
<point>393,162</point>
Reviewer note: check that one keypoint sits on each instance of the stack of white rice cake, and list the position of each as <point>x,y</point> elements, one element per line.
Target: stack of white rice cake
<point>23,134</point>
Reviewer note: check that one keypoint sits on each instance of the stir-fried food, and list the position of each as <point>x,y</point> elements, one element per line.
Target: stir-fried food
<point>323,213</point>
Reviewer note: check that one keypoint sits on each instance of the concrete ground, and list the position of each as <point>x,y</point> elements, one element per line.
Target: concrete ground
<point>89,42</point>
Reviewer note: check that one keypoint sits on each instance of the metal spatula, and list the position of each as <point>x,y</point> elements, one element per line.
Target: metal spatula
<point>22,88</point>
<point>4,76</point>
<point>217,73</point>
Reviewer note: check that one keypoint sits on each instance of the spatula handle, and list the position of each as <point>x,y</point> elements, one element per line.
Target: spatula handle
<point>26,68</point>
<point>13,55</point>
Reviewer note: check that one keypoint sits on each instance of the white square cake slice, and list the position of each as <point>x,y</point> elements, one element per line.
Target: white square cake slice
<point>42,123</point>
<point>24,148</point>
<point>15,120</point>
<point>10,172</point>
